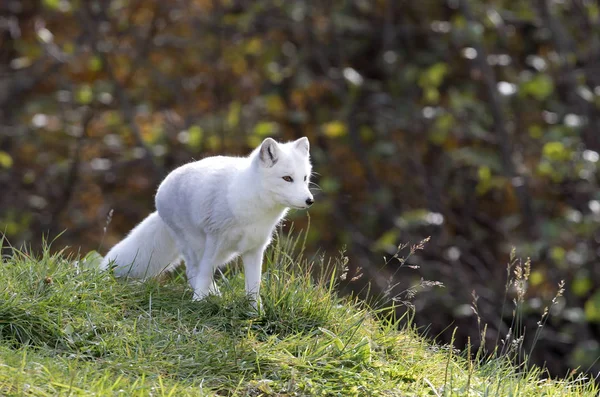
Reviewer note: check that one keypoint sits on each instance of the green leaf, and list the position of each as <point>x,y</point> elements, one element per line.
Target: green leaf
<point>329,185</point>
<point>540,87</point>
<point>366,133</point>
<point>431,95</point>
<point>592,308</point>
<point>387,242</point>
<point>195,136</point>
<point>486,180</point>
<point>434,75</point>
<point>337,342</point>
<point>593,11</point>
<point>535,131</point>
<point>84,94</point>
<point>581,285</point>
<point>441,128</point>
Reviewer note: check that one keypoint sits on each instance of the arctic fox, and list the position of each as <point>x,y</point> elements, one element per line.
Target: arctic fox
<point>213,210</point>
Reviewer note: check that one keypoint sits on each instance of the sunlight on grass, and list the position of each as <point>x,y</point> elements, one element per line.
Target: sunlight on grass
<point>68,329</point>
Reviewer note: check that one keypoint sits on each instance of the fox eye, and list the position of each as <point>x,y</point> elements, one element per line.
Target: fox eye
<point>304,178</point>
<point>288,178</point>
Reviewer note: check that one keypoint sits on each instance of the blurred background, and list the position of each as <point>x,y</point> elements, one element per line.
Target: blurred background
<point>473,122</point>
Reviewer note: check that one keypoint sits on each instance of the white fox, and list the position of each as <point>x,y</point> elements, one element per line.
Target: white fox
<point>213,210</point>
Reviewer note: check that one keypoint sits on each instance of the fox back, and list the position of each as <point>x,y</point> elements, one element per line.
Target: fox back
<point>217,192</point>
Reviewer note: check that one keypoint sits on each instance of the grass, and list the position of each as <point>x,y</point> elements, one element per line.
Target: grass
<point>68,329</point>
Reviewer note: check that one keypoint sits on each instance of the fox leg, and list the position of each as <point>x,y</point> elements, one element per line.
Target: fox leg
<point>201,275</point>
<point>193,248</point>
<point>252,273</point>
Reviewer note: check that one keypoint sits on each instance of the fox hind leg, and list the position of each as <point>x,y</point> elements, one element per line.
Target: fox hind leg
<point>193,248</point>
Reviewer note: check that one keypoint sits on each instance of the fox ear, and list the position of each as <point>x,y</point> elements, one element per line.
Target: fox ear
<point>269,153</point>
<point>302,144</point>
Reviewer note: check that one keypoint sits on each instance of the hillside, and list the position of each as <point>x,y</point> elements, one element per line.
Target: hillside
<point>68,329</point>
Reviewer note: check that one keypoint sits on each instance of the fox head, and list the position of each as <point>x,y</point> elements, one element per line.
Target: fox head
<point>285,171</point>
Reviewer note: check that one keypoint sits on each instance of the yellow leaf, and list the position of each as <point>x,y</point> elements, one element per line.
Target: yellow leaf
<point>432,95</point>
<point>195,136</point>
<point>233,116</point>
<point>581,285</point>
<point>52,4</point>
<point>558,253</point>
<point>95,64</point>
<point>69,48</point>
<point>239,66</point>
<point>535,131</point>
<point>84,94</point>
<point>592,308</point>
<point>266,128</point>
<point>254,46</point>
<point>275,105</point>
<point>536,278</point>
<point>213,142</point>
<point>556,151</point>
<point>484,173</point>
<point>386,242</point>
<point>253,141</point>
<point>334,129</point>
<point>5,160</point>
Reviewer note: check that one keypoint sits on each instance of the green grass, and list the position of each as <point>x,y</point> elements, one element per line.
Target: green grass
<point>69,329</point>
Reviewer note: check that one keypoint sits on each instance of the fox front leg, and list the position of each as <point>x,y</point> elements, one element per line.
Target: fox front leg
<point>252,272</point>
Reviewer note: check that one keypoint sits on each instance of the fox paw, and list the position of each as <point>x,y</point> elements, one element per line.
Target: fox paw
<point>256,305</point>
<point>212,290</point>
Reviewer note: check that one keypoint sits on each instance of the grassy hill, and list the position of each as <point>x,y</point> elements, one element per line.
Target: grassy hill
<point>68,329</point>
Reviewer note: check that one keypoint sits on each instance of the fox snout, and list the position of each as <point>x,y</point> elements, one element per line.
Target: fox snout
<point>302,202</point>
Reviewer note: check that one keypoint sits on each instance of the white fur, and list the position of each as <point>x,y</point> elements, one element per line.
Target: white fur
<point>216,209</point>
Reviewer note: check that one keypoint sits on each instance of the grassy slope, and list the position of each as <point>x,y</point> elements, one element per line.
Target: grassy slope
<point>72,330</point>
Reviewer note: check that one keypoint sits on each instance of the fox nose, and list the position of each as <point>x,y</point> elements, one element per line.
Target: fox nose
<point>309,201</point>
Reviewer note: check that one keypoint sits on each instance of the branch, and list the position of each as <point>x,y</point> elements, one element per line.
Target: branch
<point>73,174</point>
<point>519,182</point>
